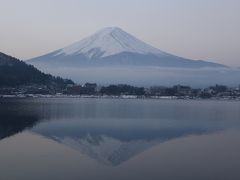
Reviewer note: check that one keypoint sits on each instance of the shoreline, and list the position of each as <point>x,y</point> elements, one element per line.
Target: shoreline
<point>28,96</point>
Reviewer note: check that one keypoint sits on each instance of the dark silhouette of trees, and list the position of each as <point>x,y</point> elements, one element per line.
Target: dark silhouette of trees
<point>14,72</point>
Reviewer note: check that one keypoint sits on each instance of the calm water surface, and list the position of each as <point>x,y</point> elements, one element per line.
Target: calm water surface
<point>72,139</point>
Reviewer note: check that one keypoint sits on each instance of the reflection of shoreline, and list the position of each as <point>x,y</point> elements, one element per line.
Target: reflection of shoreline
<point>15,117</point>
<point>14,124</point>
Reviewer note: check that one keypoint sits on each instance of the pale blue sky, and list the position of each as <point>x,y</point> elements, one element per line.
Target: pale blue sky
<point>197,29</point>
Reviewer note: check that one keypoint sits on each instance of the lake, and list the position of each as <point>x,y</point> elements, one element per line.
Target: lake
<point>83,138</point>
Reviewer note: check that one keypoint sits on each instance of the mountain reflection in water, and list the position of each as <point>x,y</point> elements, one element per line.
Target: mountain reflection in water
<point>110,131</point>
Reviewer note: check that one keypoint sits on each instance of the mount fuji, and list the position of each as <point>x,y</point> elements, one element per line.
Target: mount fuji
<point>114,47</point>
<point>112,56</point>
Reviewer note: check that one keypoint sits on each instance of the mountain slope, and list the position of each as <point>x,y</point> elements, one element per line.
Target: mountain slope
<point>14,72</point>
<point>114,47</point>
<point>107,42</point>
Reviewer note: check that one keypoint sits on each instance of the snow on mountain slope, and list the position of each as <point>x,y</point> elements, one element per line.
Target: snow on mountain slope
<point>113,47</point>
<point>107,42</point>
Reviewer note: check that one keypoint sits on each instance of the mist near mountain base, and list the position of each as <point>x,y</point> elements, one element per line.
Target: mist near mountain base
<point>149,76</point>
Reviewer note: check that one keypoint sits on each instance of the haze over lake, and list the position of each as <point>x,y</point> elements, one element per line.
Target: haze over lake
<point>71,138</point>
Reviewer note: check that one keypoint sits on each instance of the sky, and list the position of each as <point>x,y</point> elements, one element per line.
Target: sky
<point>195,29</point>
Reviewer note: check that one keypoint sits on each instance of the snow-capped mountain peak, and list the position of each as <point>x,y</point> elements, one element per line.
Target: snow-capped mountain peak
<point>109,41</point>
<point>114,47</point>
